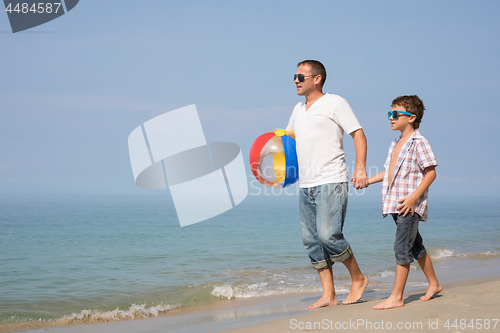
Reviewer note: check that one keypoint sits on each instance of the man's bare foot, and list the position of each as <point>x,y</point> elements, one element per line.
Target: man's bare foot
<point>357,290</point>
<point>431,292</point>
<point>324,301</point>
<point>389,303</point>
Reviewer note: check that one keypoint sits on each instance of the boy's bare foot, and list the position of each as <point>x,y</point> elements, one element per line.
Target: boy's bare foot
<point>324,301</point>
<point>389,303</point>
<point>431,292</point>
<point>357,290</point>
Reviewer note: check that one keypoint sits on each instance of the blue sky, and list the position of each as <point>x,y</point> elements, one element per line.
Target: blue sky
<point>73,89</point>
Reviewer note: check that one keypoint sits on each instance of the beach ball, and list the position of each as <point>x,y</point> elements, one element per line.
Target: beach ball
<point>273,159</point>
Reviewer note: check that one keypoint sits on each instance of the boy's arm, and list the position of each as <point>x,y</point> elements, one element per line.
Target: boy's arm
<point>408,203</point>
<point>377,178</point>
<point>360,179</point>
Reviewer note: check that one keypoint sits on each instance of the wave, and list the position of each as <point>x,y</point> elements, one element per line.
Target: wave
<point>489,253</point>
<point>440,253</point>
<point>382,274</point>
<point>224,291</point>
<point>134,312</point>
<point>262,289</point>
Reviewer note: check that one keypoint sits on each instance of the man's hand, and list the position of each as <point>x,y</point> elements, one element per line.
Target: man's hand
<point>360,178</point>
<point>407,205</point>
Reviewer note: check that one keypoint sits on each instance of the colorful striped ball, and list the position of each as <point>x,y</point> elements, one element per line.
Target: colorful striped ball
<point>273,159</point>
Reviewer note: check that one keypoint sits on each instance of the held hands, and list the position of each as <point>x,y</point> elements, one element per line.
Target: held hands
<point>359,179</point>
<point>407,205</point>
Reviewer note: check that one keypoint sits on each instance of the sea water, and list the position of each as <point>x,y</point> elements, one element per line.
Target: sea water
<point>125,256</point>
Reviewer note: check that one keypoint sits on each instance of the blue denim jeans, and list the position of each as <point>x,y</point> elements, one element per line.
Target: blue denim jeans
<point>408,245</point>
<point>322,213</point>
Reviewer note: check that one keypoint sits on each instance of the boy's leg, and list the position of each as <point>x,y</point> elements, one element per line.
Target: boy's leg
<point>406,235</point>
<point>434,286</point>
<point>396,298</point>
<point>418,251</point>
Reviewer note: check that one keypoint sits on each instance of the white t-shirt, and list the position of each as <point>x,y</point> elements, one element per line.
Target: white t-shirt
<point>319,135</point>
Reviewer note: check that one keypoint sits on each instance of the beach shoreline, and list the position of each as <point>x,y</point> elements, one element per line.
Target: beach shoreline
<point>473,300</point>
<point>232,308</point>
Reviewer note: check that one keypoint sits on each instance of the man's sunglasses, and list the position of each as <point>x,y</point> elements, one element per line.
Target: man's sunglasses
<point>395,114</point>
<point>302,77</point>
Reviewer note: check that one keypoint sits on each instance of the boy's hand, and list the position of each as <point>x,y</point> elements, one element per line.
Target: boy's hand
<point>407,205</point>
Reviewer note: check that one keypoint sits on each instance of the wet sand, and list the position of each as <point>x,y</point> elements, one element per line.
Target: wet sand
<point>466,306</point>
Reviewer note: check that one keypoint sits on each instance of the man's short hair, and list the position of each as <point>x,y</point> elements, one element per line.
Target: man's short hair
<point>412,104</point>
<point>317,68</point>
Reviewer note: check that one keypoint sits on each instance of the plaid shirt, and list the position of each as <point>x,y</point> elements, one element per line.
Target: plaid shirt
<point>416,155</point>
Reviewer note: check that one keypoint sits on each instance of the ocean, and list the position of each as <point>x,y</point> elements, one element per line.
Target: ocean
<point>111,257</point>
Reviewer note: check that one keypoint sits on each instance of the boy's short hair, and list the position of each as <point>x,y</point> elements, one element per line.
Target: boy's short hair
<point>317,68</point>
<point>412,104</point>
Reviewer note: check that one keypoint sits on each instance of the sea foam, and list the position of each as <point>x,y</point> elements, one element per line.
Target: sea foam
<point>263,289</point>
<point>135,311</point>
<point>440,253</point>
<point>224,291</point>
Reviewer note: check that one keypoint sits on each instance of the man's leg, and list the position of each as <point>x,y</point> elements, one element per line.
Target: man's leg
<point>396,298</point>
<point>329,298</point>
<point>331,212</point>
<point>359,281</point>
<point>316,252</point>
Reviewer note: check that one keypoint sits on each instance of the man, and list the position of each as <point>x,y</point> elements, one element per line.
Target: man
<point>318,125</point>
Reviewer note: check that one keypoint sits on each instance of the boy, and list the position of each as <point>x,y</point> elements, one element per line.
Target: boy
<point>409,171</point>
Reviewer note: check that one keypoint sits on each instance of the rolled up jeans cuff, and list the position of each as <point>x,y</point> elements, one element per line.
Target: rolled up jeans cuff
<point>322,264</point>
<point>333,259</point>
<point>342,256</point>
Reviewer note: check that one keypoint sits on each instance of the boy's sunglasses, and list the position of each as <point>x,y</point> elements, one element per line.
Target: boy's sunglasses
<point>395,114</point>
<point>301,77</point>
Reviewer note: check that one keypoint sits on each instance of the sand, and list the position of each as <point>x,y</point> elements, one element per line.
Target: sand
<point>465,306</point>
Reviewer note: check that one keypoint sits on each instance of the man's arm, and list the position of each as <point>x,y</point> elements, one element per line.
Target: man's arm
<point>360,179</point>
<point>408,203</point>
